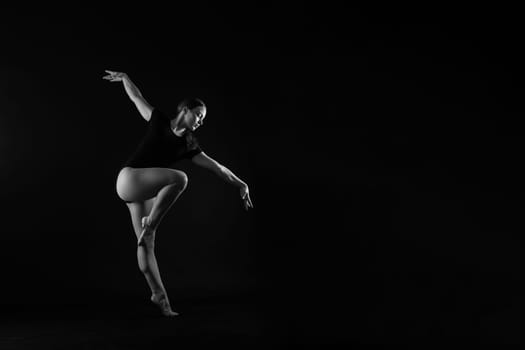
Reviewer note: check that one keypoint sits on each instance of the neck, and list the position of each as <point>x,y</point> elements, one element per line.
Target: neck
<point>175,126</point>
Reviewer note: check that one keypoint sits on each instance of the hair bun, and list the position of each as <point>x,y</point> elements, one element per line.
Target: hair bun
<point>190,103</point>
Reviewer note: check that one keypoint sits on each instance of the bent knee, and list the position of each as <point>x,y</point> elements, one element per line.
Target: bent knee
<point>180,179</point>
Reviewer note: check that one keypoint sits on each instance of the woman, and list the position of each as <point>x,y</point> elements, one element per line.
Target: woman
<point>148,183</point>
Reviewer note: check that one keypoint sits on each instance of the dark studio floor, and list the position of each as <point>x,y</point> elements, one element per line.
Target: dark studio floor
<point>240,322</point>
<point>134,324</point>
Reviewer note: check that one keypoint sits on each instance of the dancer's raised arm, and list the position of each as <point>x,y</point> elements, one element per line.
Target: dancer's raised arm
<point>133,92</point>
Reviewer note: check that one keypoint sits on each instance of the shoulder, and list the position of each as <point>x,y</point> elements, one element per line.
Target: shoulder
<point>157,113</point>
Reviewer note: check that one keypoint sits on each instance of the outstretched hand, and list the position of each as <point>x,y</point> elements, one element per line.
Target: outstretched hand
<point>114,76</point>
<point>245,195</point>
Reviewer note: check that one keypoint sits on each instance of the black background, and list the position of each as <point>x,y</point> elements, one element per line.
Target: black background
<point>382,147</point>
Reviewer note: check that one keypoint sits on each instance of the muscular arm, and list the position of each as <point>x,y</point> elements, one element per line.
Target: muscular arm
<point>133,92</point>
<point>205,161</point>
<point>135,95</point>
<point>228,176</point>
<point>202,159</point>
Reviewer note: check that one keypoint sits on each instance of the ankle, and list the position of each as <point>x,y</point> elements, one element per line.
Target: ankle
<point>158,292</point>
<point>147,223</point>
<point>160,298</point>
<point>152,224</point>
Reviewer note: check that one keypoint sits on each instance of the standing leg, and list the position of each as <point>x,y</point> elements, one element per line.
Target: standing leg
<point>146,257</point>
<point>138,186</point>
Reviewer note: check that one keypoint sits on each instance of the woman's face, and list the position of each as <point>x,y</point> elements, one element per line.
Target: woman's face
<point>195,117</point>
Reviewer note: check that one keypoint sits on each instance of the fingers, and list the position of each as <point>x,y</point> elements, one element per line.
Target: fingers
<point>247,202</point>
<point>112,78</point>
<point>111,72</point>
<point>113,75</point>
<point>246,199</point>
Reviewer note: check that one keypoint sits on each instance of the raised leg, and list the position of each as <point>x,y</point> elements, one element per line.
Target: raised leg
<point>141,184</point>
<point>165,199</point>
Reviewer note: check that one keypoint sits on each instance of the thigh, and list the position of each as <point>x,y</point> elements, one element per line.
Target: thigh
<point>141,184</point>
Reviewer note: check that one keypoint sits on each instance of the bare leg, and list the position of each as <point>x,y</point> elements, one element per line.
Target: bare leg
<point>138,186</point>
<point>146,258</point>
<point>165,199</point>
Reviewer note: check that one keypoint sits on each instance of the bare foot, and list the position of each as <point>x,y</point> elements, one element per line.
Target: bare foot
<point>147,231</point>
<point>162,302</point>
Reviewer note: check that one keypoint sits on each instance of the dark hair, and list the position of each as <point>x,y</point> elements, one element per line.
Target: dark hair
<point>190,103</point>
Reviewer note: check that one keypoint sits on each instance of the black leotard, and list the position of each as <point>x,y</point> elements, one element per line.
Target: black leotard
<point>160,147</point>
